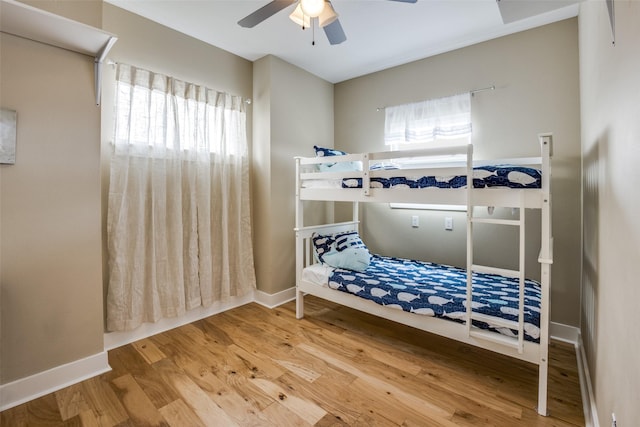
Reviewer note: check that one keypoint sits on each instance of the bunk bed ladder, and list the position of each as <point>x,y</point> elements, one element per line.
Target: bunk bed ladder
<point>473,331</point>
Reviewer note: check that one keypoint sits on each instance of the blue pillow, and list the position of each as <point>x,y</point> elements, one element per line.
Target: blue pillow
<point>325,152</point>
<point>342,250</point>
<point>334,167</point>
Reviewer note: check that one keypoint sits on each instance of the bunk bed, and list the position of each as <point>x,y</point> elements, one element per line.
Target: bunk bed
<point>519,329</point>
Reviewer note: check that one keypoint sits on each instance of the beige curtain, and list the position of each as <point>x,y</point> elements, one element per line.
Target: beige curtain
<point>179,229</point>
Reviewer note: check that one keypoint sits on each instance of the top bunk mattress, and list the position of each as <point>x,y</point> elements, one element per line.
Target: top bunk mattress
<point>499,176</point>
<point>434,167</point>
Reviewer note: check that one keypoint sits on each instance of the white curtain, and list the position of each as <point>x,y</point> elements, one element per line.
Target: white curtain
<point>178,224</point>
<point>425,121</point>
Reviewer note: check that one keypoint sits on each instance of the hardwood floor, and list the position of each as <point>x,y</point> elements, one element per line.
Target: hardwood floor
<point>252,366</point>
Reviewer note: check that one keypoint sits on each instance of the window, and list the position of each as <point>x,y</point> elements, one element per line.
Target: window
<point>172,116</point>
<point>424,124</point>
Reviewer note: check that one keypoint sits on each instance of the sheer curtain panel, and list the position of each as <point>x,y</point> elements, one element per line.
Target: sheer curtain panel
<point>178,222</point>
<point>426,121</point>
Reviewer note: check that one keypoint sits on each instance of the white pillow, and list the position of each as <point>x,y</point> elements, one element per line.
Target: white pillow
<point>339,167</point>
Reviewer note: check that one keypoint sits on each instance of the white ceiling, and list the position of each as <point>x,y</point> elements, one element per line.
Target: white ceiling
<point>380,33</point>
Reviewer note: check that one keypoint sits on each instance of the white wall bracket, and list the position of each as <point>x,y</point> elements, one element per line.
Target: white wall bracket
<point>35,24</point>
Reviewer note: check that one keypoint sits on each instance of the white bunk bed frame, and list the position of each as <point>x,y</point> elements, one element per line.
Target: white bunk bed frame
<point>518,348</point>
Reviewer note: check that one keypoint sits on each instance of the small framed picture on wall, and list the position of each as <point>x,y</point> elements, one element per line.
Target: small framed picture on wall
<point>8,133</point>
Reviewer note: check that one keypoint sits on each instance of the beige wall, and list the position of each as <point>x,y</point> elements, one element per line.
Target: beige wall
<point>294,112</point>
<point>610,87</point>
<point>149,45</point>
<point>86,11</point>
<point>146,44</point>
<point>50,268</point>
<point>537,90</point>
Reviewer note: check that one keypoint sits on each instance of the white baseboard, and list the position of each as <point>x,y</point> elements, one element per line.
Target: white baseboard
<point>588,398</point>
<point>37,385</point>
<point>117,339</point>
<point>274,300</point>
<point>571,335</point>
<point>564,333</point>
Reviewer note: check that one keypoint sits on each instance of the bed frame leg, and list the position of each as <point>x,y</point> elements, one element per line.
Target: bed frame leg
<point>299,304</point>
<point>543,369</point>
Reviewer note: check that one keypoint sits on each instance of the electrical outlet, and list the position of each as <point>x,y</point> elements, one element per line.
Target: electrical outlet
<point>448,223</point>
<point>415,221</point>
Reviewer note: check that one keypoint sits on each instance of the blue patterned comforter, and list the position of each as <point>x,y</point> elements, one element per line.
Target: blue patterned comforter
<point>440,291</point>
<point>483,176</point>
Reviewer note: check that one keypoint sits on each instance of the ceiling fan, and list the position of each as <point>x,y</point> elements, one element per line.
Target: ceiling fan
<point>305,11</point>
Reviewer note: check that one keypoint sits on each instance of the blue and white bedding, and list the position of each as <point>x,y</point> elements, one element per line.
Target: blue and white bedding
<point>502,176</point>
<point>440,291</point>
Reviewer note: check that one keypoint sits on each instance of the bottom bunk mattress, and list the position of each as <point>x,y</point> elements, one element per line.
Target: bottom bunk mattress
<point>435,290</point>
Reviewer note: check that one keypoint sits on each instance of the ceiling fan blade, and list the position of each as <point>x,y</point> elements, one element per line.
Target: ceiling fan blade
<point>335,33</point>
<point>406,1</point>
<point>264,12</point>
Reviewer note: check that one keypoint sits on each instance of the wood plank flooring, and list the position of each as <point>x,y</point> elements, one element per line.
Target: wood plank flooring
<point>252,366</point>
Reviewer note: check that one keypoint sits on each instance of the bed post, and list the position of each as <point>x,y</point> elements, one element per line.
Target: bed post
<point>299,266</point>
<point>469,201</point>
<point>545,259</point>
<point>299,244</point>
<point>355,214</point>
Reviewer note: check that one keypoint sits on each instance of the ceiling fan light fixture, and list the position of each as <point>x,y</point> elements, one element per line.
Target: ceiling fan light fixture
<point>299,17</point>
<point>328,15</point>
<point>312,8</point>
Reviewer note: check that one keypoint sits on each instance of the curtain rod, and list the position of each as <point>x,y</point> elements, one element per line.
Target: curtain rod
<point>472,92</point>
